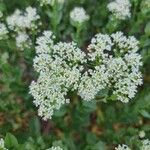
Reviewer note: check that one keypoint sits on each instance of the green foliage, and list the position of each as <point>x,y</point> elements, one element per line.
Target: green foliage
<point>81,125</point>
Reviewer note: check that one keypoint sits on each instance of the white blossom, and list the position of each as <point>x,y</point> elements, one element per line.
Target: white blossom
<point>23,41</point>
<point>78,15</point>
<point>111,63</point>
<point>3,31</point>
<point>59,69</point>
<point>55,148</point>
<point>142,134</point>
<point>22,20</point>
<point>120,9</point>
<point>121,62</point>
<point>2,145</point>
<point>122,147</point>
<point>145,145</point>
<point>92,82</point>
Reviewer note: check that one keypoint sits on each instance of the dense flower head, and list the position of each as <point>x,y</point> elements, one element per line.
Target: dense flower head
<point>59,66</point>
<point>3,31</point>
<point>111,63</point>
<point>23,41</point>
<point>78,15</point>
<point>122,147</point>
<point>22,20</point>
<point>120,8</point>
<point>145,145</point>
<point>118,57</point>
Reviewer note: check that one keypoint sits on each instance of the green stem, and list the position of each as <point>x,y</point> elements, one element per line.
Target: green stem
<point>77,36</point>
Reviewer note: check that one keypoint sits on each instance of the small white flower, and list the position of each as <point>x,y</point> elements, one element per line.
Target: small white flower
<point>78,15</point>
<point>141,134</point>
<point>122,147</point>
<point>2,144</point>
<point>120,8</point>
<point>22,20</point>
<point>23,41</point>
<point>145,145</point>
<point>3,31</point>
<point>55,148</point>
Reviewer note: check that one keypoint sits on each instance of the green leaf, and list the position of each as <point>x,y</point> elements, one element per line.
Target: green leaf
<point>11,141</point>
<point>145,114</point>
<point>99,146</point>
<point>147,28</point>
<point>35,127</point>
<point>61,112</point>
<point>113,97</point>
<point>89,106</point>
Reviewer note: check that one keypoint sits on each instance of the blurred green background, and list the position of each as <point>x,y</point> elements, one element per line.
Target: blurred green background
<point>79,126</point>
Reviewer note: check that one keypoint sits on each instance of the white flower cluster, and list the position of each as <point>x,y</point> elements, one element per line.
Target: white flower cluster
<point>50,2</point>
<point>3,31</point>
<point>78,15</point>
<point>55,148</point>
<point>115,64</point>
<point>112,63</point>
<point>120,9</point>
<point>2,145</point>
<point>59,69</point>
<point>145,145</point>
<point>20,21</point>
<point>23,40</point>
<point>122,147</point>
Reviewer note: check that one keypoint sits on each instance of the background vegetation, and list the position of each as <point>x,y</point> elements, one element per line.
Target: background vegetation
<point>79,126</point>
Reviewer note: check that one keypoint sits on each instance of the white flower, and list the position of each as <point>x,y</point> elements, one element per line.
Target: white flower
<point>23,41</point>
<point>2,144</point>
<point>20,20</point>
<point>45,42</point>
<point>145,145</point>
<point>121,74</point>
<point>92,82</point>
<point>78,15</point>
<point>50,2</point>
<point>120,8</point>
<point>142,134</point>
<point>3,31</point>
<point>111,63</point>
<point>55,148</point>
<point>59,69</point>
<point>122,147</point>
